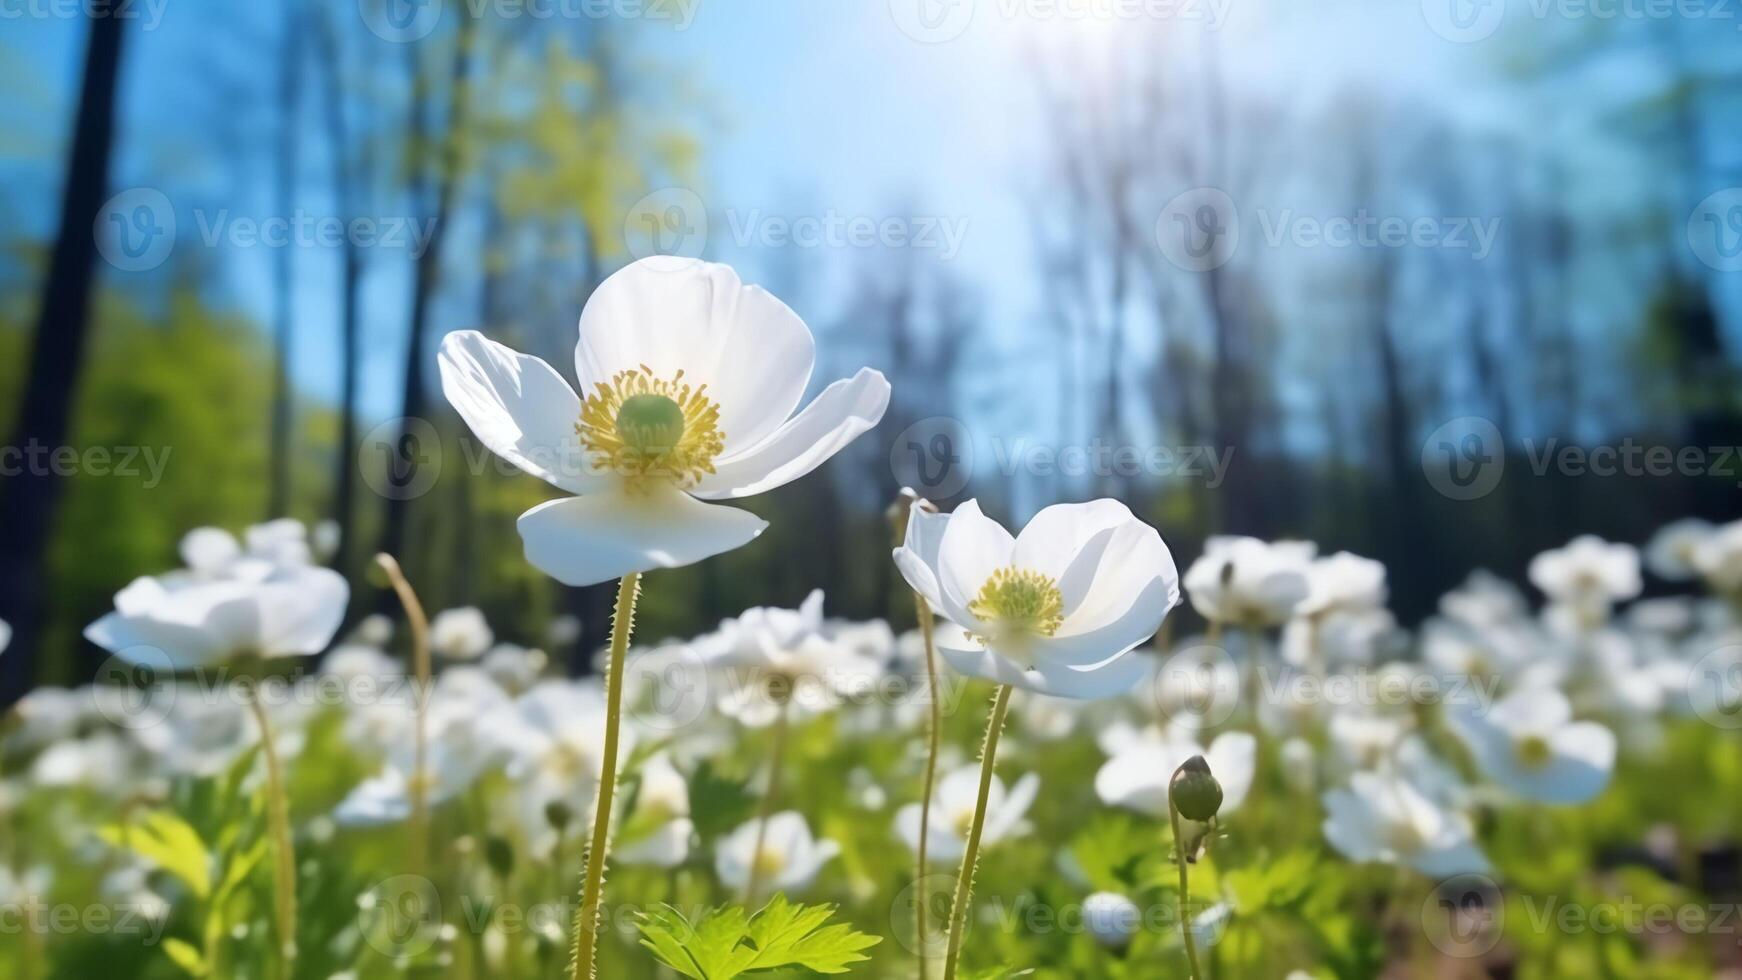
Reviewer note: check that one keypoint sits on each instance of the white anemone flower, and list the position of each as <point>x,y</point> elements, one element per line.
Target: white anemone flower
<point>460,634</point>
<point>1343,582</point>
<point>1588,574</point>
<point>1112,919</point>
<point>689,381</point>
<point>1241,581</point>
<point>769,659</point>
<point>1055,610</point>
<point>1383,818</point>
<point>1719,560</point>
<point>662,803</point>
<point>788,860</point>
<point>952,813</point>
<point>1672,553</point>
<point>1529,743</point>
<point>1140,770</point>
<point>182,623</point>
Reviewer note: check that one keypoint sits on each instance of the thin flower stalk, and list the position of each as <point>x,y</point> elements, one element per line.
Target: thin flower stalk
<point>585,965</point>
<point>971,856</point>
<point>418,837</point>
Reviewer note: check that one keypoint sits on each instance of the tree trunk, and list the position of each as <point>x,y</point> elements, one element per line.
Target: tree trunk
<point>62,327</point>
<point>290,75</point>
<point>414,404</point>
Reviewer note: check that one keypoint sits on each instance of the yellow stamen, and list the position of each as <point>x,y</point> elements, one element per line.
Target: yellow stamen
<point>647,428</point>
<point>1020,602</point>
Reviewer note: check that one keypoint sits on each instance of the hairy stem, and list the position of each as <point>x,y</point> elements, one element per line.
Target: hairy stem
<point>593,887</point>
<point>971,857</point>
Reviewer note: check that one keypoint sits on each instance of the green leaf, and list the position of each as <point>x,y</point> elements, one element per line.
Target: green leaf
<point>727,943</point>
<point>185,956</point>
<point>167,841</point>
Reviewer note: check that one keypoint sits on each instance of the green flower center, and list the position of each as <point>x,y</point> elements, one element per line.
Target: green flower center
<point>650,424</point>
<point>644,427</point>
<point>1020,602</point>
<point>1533,751</point>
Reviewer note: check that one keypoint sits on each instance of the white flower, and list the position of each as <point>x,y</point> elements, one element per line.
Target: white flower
<point>952,813</point>
<point>689,380</point>
<point>563,630</point>
<point>514,668</point>
<point>1719,560</point>
<point>184,623</point>
<point>788,861</point>
<point>769,658</point>
<point>1343,583</point>
<point>662,800</point>
<point>1112,919</point>
<point>1139,773</point>
<point>1365,740</point>
<point>1529,744</point>
<point>1484,600</point>
<point>554,744</point>
<point>375,630</point>
<point>5,635</point>
<point>1672,553</point>
<point>460,634</point>
<point>1383,818</point>
<point>1589,573</point>
<point>326,538</point>
<point>1243,581</point>
<point>1055,610</point>
<point>1341,636</point>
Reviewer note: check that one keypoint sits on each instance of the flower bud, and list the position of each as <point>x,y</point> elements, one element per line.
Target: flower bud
<point>1194,790</point>
<point>499,854</point>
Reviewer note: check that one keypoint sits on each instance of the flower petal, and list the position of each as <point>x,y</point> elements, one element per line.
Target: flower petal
<point>676,314</point>
<point>300,611</point>
<point>844,411</point>
<point>518,407</point>
<point>917,558</point>
<point>599,537</point>
<point>973,547</point>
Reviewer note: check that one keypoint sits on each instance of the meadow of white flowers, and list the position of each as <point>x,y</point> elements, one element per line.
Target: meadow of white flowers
<point>1051,778</point>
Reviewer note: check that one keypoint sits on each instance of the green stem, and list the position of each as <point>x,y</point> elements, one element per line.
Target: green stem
<point>971,856</point>
<point>770,793</point>
<point>921,898</point>
<point>278,810</point>
<point>1181,905</point>
<point>592,890</point>
<point>417,840</point>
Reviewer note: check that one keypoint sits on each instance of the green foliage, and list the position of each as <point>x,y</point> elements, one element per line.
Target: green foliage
<point>728,943</point>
